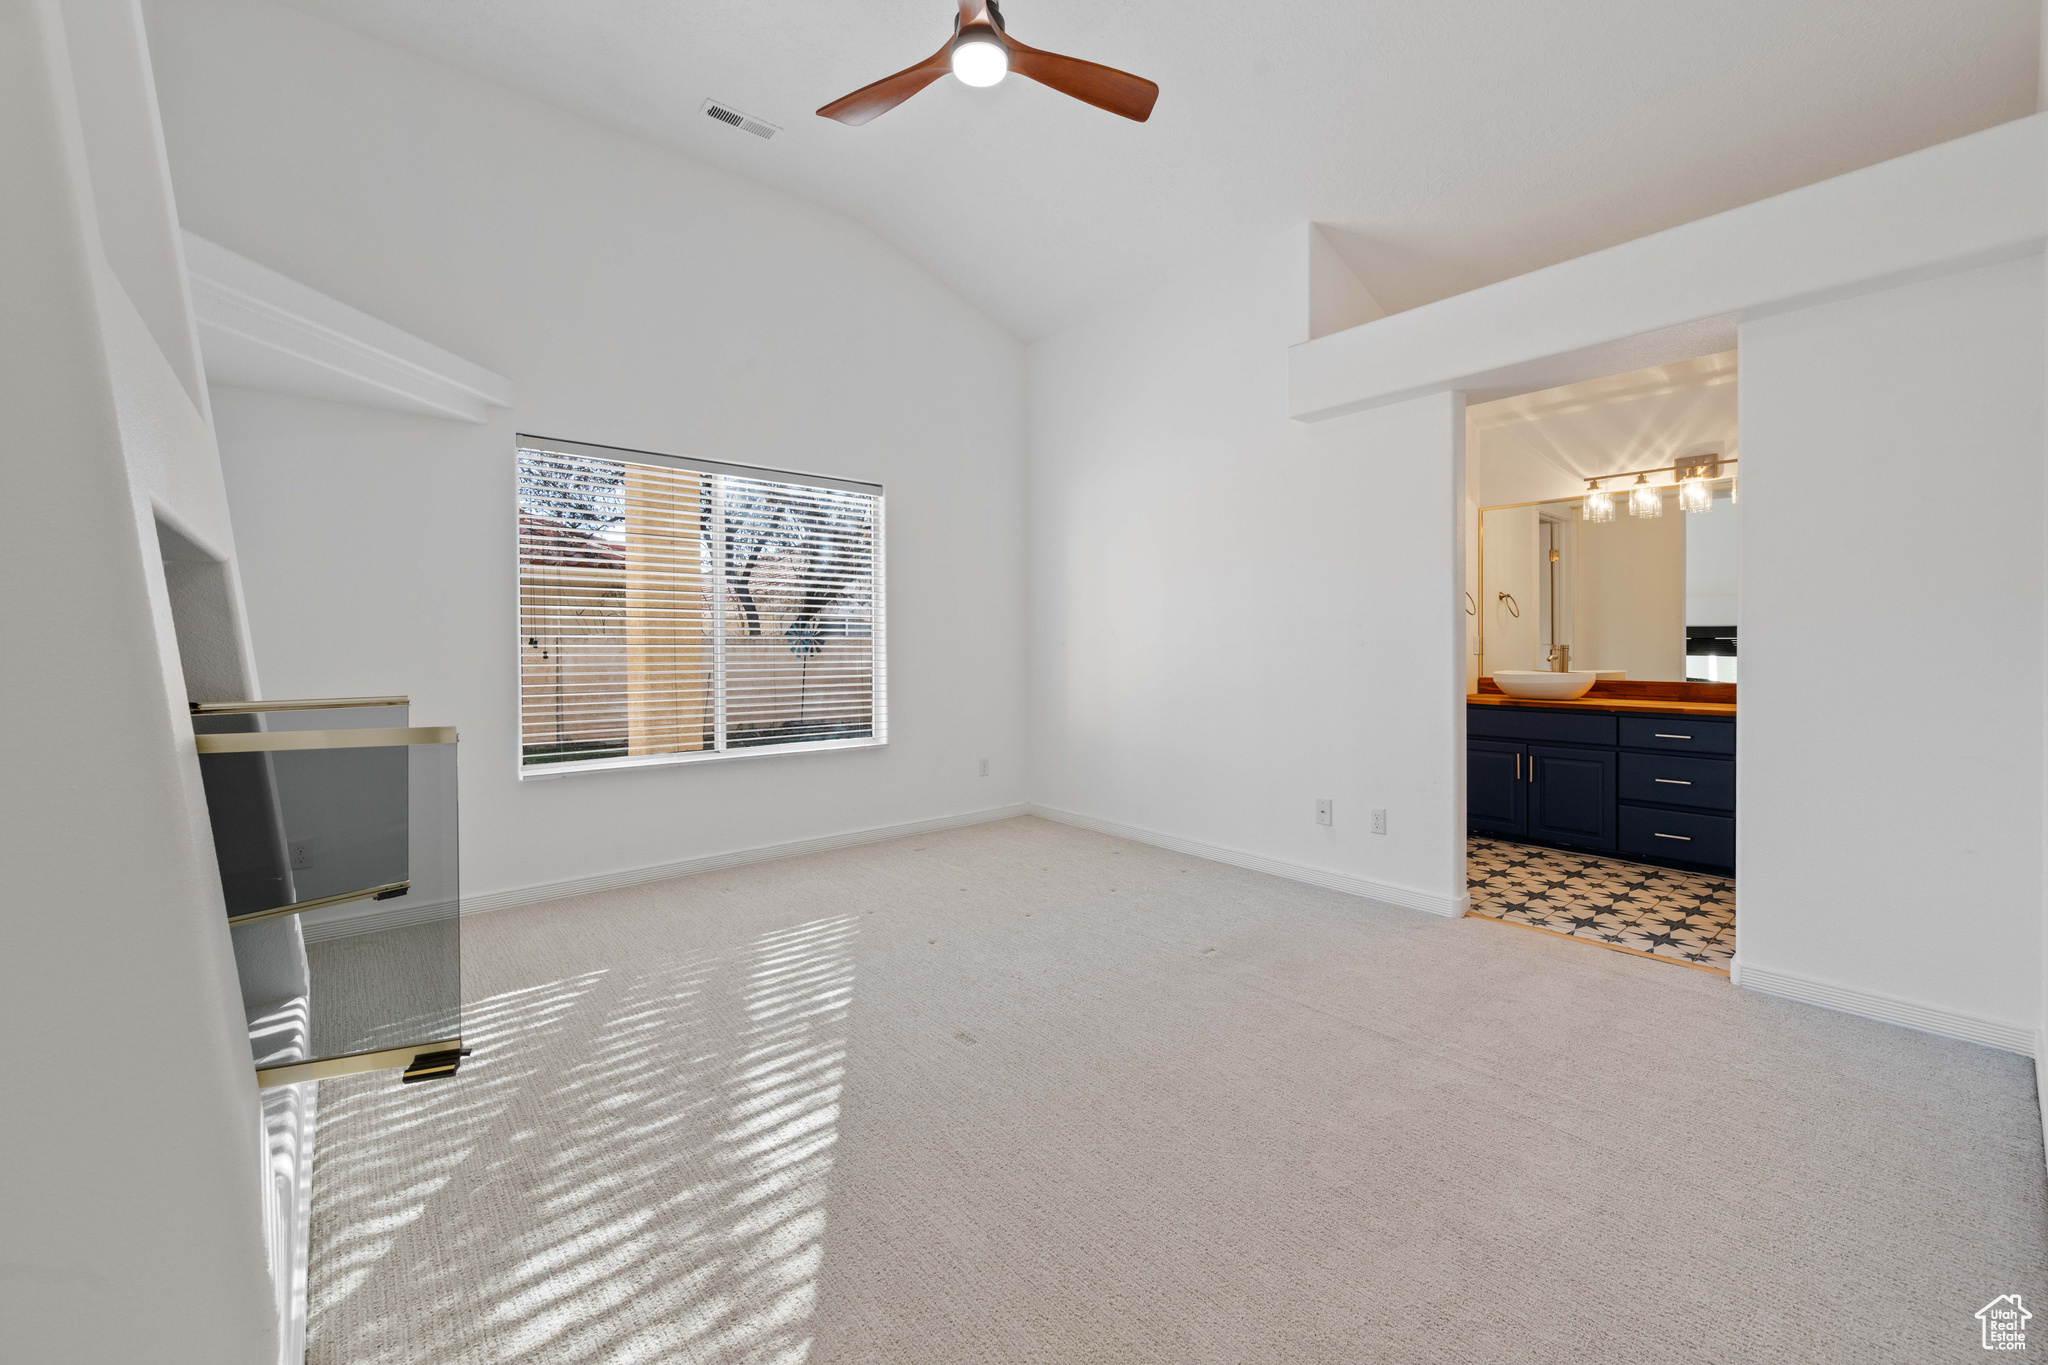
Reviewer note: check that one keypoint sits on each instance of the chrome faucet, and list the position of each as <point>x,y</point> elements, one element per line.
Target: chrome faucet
<point>1560,657</point>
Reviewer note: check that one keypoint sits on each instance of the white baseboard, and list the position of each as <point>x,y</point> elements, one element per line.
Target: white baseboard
<point>400,914</point>
<point>2041,1093</point>
<point>661,872</point>
<point>1889,1009</point>
<point>1449,906</point>
<point>369,917</point>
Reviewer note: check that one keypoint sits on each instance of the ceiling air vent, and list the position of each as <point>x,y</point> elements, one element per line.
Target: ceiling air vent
<point>725,113</point>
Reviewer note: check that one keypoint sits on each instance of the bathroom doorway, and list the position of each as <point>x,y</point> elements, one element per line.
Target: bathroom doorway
<point>1604,526</point>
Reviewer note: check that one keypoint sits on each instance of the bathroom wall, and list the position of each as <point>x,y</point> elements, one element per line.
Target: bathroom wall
<point>1545,445</point>
<point>1713,565</point>
<point>1631,594</point>
<point>1512,564</point>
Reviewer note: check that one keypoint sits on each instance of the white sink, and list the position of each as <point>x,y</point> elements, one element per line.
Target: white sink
<point>1545,686</point>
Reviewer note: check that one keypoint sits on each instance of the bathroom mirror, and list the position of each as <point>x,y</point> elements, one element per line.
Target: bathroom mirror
<point>1648,598</point>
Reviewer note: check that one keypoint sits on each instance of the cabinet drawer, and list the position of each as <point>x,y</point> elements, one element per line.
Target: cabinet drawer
<point>1708,839</point>
<point>1708,783</point>
<point>1553,727</point>
<point>1678,734</point>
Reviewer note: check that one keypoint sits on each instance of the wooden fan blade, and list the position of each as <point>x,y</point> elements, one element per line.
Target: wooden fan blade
<point>1105,87</point>
<point>872,101</point>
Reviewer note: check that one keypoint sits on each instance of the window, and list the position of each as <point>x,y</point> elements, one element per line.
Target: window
<point>675,610</point>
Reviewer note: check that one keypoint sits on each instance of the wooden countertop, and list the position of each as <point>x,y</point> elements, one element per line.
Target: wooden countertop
<point>1634,705</point>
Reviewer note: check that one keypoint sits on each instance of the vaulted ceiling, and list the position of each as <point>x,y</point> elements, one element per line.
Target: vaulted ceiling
<point>1443,144</point>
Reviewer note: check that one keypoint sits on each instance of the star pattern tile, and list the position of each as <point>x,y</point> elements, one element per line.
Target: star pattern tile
<point>1686,916</point>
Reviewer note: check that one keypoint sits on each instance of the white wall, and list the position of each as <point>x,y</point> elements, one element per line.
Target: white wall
<point>131,1175</point>
<point>634,297</point>
<point>1233,615</point>
<point>1890,822</point>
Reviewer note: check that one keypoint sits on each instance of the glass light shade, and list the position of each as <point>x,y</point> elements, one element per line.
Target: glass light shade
<point>1694,495</point>
<point>1645,501</point>
<point>1599,505</point>
<point>1735,489</point>
<point>980,62</point>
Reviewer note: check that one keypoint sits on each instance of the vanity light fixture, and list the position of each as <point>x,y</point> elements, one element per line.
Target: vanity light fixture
<point>1643,500</point>
<point>1599,502</point>
<point>1695,493</point>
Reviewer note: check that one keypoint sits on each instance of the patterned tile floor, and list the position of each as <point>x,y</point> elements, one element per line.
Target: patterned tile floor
<point>1688,917</point>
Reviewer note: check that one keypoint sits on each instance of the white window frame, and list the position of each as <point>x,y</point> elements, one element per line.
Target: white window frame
<point>879,739</point>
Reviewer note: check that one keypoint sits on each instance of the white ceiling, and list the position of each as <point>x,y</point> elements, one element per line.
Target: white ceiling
<point>1443,144</point>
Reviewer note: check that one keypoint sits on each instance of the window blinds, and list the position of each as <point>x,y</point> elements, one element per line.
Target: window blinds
<point>673,609</point>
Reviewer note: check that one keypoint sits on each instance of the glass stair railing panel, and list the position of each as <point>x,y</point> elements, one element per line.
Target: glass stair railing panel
<point>335,824</point>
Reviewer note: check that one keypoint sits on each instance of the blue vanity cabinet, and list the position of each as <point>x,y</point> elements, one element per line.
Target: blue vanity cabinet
<point>1571,795</point>
<point>1496,793</point>
<point>1655,787</point>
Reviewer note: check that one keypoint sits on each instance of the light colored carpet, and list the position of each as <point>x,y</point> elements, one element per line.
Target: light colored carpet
<point>1024,1093</point>
<point>385,989</point>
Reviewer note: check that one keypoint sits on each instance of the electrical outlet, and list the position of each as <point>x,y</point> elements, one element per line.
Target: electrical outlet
<point>1379,819</point>
<point>984,767</point>
<point>1325,812</point>
<point>302,853</point>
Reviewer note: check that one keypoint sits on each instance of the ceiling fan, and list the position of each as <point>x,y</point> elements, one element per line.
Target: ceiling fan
<point>981,52</point>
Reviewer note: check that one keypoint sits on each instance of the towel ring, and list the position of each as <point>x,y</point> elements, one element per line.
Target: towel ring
<point>1471,607</point>
<point>1512,605</point>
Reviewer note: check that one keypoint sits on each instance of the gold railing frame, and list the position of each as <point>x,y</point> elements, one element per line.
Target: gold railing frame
<point>241,708</point>
<point>280,741</point>
<point>368,893</point>
<point>354,1064</point>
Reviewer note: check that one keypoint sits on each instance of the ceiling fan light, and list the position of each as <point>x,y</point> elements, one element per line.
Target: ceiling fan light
<point>980,61</point>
